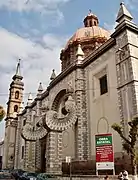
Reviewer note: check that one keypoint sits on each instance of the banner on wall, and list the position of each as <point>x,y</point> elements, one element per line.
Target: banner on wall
<point>104,152</point>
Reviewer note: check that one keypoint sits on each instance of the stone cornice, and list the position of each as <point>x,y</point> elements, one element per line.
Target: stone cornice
<point>98,52</point>
<point>9,118</point>
<point>125,25</point>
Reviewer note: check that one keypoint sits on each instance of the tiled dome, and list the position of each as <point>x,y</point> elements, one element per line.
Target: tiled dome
<point>90,37</point>
<point>88,33</point>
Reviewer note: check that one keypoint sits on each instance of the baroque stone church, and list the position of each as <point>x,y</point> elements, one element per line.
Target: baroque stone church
<point>97,86</point>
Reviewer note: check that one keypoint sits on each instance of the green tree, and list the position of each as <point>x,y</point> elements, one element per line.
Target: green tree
<point>129,144</point>
<point>2,113</point>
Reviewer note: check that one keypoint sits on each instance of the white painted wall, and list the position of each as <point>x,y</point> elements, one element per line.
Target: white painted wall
<point>103,110</point>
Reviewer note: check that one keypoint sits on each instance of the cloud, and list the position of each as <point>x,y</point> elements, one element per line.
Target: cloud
<point>38,60</point>
<point>132,4</point>
<point>32,5</point>
<point>23,16</point>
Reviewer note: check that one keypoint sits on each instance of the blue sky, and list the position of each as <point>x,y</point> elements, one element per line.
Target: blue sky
<point>36,30</point>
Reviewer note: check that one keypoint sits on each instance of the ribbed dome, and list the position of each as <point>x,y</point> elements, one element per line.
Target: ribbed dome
<point>90,37</point>
<point>88,33</point>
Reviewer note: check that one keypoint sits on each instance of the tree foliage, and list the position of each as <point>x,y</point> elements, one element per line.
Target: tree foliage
<point>2,113</point>
<point>129,143</point>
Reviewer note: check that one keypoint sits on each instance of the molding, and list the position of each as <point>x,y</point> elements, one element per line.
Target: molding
<point>123,26</point>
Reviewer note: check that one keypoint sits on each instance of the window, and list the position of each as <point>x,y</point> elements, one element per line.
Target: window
<point>103,84</point>
<point>95,23</point>
<point>22,152</point>
<point>15,108</point>
<point>86,24</point>
<point>90,23</point>
<point>17,95</point>
<point>24,122</point>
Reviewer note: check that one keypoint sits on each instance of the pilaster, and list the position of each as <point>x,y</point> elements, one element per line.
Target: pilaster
<point>81,115</point>
<point>37,143</point>
<point>127,77</point>
<point>54,152</point>
<point>38,156</point>
<point>18,145</point>
<point>26,156</point>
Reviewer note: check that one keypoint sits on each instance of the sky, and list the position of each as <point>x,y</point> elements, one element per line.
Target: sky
<point>36,30</point>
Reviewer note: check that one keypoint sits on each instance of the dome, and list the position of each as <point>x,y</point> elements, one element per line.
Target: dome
<point>90,37</point>
<point>88,33</point>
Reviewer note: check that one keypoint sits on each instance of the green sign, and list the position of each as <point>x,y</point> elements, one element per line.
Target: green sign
<point>103,140</point>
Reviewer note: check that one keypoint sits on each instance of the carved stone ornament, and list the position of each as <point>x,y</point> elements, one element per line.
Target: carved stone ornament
<point>30,133</point>
<point>61,123</point>
<point>11,144</point>
<point>60,118</point>
<point>11,157</point>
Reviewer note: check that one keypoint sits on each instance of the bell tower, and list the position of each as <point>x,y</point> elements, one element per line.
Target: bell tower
<point>16,93</point>
<point>14,102</point>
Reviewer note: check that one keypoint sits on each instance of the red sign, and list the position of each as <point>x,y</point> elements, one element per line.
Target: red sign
<point>104,154</point>
<point>104,148</point>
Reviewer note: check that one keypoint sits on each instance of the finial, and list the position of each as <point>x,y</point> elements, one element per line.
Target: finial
<point>79,54</point>
<point>18,68</point>
<point>53,75</point>
<point>40,89</point>
<point>122,3</point>
<point>30,99</point>
<point>123,14</point>
<point>18,71</point>
<point>90,11</point>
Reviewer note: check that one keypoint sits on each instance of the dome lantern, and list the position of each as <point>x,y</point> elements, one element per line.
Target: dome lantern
<point>91,20</point>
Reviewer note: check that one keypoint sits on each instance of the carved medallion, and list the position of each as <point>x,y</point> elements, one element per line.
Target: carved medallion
<point>63,119</point>
<point>32,133</point>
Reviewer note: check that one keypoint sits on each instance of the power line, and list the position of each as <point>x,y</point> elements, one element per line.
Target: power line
<point>92,89</point>
<point>6,94</point>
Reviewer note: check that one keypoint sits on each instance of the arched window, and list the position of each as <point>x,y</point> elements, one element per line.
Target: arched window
<point>90,23</point>
<point>15,108</point>
<point>86,24</point>
<point>95,23</point>
<point>17,95</point>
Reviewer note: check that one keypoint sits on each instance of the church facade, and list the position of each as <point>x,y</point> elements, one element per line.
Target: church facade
<point>98,86</point>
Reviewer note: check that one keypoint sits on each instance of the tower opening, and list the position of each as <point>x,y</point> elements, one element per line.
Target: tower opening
<point>17,95</point>
<point>15,108</point>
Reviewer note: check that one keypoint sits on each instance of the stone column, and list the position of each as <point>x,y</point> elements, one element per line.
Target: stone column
<point>126,80</point>
<point>17,145</point>
<point>38,156</point>
<point>26,155</point>
<point>37,144</point>
<point>82,136</point>
<point>33,156</point>
<point>54,152</point>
